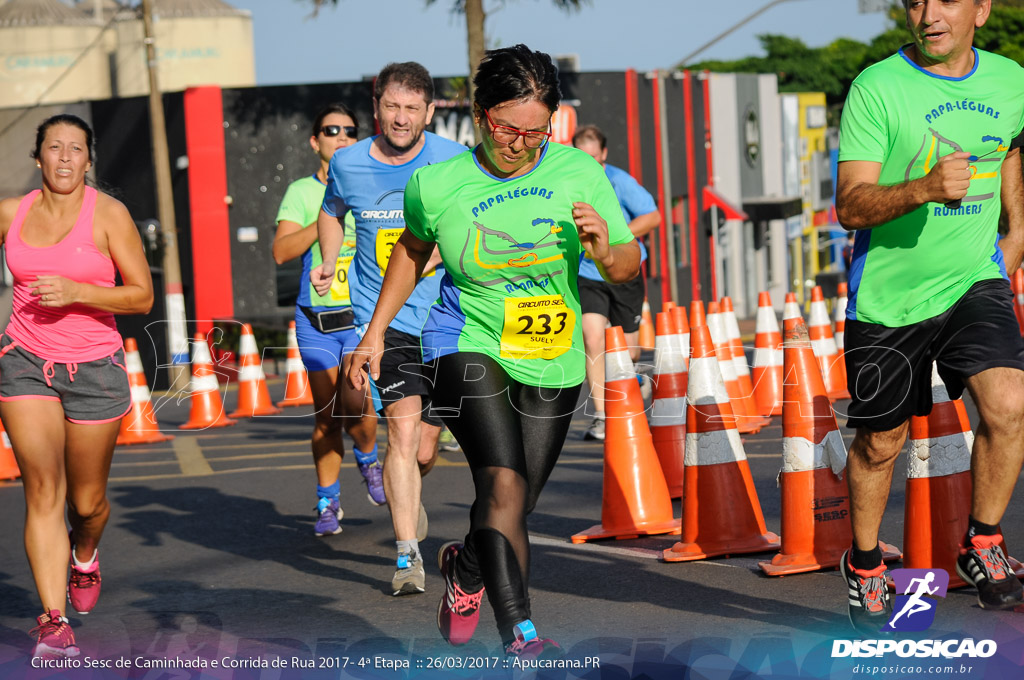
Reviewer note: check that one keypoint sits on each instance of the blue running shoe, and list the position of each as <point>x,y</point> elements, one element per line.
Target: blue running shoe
<point>329,514</point>
<point>373,475</point>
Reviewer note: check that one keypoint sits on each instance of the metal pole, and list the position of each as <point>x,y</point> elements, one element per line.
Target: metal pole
<point>670,236</point>
<point>177,337</point>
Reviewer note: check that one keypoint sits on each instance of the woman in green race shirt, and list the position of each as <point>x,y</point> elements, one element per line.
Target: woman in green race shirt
<point>320,327</point>
<point>510,218</point>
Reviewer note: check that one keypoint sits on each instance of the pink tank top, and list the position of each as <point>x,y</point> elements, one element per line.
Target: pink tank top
<point>75,333</point>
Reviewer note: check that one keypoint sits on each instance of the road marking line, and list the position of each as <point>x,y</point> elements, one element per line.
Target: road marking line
<point>190,457</point>
<point>594,547</point>
<point>647,553</point>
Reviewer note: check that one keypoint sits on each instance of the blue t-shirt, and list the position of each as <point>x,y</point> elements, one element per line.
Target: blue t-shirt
<point>374,192</point>
<point>634,201</point>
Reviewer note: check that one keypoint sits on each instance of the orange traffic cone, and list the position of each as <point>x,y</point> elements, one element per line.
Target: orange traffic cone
<point>767,373</point>
<point>739,359</point>
<point>1018,297</point>
<point>721,512</point>
<point>668,411</point>
<point>938,491</point>
<point>207,409</point>
<point>139,426</point>
<point>815,499</point>
<point>296,386</point>
<point>635,498</point>
<point>8,464</point>
<point>840,320</point>
<point>646,338</point>
<point>833,371</point>
<point>791,309</point>
<point>746,421</point>
<point>253,395</point>
<point>665,307</point>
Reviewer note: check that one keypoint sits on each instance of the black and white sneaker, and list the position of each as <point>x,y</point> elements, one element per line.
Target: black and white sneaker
<point>870,606</point>
<point>984,566</point>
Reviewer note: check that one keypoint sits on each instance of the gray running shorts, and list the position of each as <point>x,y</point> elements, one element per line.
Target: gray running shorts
<point>91,393</point>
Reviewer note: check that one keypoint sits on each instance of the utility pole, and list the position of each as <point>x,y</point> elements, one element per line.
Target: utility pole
<point>177,335</point>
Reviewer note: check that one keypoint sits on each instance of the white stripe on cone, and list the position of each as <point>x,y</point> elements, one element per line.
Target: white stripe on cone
<point>840,318</point>
<point>201,353</point>
<point>669,355</point>
<point>133,363</point>
<point>618,366</point>
<point>251,373</point>
<point>824,347</point>
<point>204,383</point>
<point>765,356</point>
<point>294,365</point>
<point>800,454</point>
<point>712,448</point>
<point>940,456</point>
<point>706,381</point>
<point>667,412</point>
<point>247,345</point>
<point>140,394</point>
<point>732,332</point>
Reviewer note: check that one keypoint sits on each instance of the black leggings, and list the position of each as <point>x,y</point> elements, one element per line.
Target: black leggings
<point>511,435</point>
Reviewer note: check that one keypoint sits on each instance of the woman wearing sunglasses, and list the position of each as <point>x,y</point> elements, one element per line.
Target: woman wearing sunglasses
<point>511,218</point>
<point>324,327</point>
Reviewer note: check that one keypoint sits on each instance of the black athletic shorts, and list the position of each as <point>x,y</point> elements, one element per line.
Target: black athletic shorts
<point>402,373</point>
<point>620,303</point>
<point>889,370</point>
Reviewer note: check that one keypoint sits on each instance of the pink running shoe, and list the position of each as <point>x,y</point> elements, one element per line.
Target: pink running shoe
<point>528,646</point>
<point>54,636</point>
<point>458,612</point>
<point>84,585</point>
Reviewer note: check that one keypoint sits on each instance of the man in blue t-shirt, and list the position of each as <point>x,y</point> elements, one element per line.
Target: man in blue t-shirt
<point>604,303</point>
<point>368,179</point>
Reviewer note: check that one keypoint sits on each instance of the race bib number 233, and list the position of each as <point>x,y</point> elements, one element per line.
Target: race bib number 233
<point>539,327</point>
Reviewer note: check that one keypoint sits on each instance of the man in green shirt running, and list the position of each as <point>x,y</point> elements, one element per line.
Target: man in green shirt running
<point>925,168</point>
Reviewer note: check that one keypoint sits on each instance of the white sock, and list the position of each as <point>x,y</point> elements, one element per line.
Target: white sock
<point>84,565</point>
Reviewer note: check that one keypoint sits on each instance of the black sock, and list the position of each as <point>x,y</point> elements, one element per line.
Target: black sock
<point>865,560</point>
<point>976,528</point>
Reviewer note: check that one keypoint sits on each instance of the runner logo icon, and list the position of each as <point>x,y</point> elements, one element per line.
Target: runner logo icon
<point>914,609</point>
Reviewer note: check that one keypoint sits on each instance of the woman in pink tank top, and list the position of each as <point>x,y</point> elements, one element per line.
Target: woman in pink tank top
<point>63,385</point>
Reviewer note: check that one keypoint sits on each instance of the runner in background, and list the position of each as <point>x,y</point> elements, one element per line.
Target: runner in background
<point>605,304</point>
<point>63,383</point>
<point>511,219</point>
<point>368,180</point>
<point>325,328</point>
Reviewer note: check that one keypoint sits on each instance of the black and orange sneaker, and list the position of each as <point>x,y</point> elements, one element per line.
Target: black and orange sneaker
<point>54,636</point>
<point>869,603</point>
<point>983,565</point>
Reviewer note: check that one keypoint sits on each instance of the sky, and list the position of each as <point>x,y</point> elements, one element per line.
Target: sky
<point>358,37</point>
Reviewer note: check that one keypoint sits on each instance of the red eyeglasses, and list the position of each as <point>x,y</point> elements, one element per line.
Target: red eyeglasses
<point>504,134</point>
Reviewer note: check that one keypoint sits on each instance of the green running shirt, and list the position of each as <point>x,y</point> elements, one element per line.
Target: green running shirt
<point>906,118</point>
<point>511,254</point>
<point>301,205</point>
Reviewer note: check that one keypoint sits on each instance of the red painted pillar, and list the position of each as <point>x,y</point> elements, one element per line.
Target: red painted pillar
<point>208,188</point>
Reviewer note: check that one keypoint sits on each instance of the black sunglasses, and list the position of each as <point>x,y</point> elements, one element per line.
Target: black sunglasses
<point>333,130</point>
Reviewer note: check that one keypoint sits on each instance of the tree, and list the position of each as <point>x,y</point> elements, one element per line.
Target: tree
<point>832,68</point>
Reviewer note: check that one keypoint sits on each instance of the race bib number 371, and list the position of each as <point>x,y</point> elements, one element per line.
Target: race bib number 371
<point>538,327</point>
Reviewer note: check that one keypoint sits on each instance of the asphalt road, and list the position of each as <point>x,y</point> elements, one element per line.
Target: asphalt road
<point>210,556</point>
